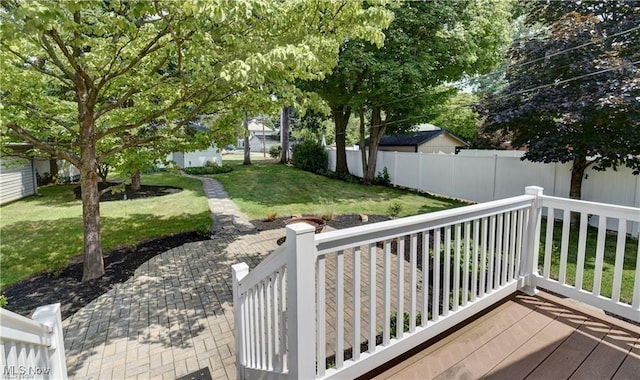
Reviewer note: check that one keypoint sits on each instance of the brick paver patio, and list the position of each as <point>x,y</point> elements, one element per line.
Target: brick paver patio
<point>174,316</point>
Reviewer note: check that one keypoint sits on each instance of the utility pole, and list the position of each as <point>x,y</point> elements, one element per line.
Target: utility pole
<point>284,135</point>
<point>247,147</point>
<point>264,142</point>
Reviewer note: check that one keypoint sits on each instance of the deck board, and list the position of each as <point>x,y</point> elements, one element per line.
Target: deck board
<point>541,337</point>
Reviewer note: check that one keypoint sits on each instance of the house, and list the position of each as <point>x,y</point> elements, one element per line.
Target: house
<point>196,158</point>
<point>17,175</point>
<point>261,136</point>
<point>427,138</point>
<point>199,157</point>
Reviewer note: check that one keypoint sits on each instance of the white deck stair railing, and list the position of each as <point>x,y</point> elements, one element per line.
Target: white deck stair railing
<point>32,348</point>
<point>332,305</point>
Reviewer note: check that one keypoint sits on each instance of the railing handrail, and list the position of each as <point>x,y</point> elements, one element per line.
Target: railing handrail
<point>43,330</point>
<point>17,328</point>
<point>631,214</point>
<point>368,233</point>
<point>266,267</point>
<point>500,238</point>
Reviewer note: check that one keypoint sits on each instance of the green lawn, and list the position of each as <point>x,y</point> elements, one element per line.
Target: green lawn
<point>43,233</point>
<point>628,267</point>
<point>264,189</point>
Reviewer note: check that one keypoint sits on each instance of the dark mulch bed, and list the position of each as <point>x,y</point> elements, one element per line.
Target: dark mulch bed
<point>120,264</point>
<point>145,191</point>
<point>67,287</point>
<point>338,222</point>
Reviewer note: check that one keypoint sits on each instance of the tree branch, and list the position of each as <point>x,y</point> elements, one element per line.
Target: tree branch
<point>117,104</point>
<point>33,64</point>
<point>161,112</point>
<point>43,145</point>
<point>148,49</point>
<point>56,60</point>
<point>39,114</point>
<point>69,56</point>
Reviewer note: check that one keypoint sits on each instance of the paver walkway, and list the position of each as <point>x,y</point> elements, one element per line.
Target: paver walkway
<point>175,315</point>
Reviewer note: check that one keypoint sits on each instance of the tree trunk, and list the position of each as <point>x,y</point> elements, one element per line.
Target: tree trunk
<point>341,115</point>
<point>53,170</point>
<point>284,136</point>
<point>247,146</point>
<point>363,146</point>
<point>93,263</point>
<point>135,181</point>
<point>577,174</point>
<point>378,127</point>
<point>575,191</point>
<point>103,172</point>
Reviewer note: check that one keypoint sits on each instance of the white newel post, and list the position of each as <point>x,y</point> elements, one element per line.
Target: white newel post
<point>529,262</point>
<point>301,296</point>
<point>239,271</point>
<point>51,316</point>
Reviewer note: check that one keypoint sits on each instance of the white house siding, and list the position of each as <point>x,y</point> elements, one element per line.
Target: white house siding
<point>441,144</point>
<point>17,179</point>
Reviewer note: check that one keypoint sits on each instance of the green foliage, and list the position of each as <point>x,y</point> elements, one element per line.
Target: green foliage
<point>393,328</point>
<point>395,209</point>
<point>429,44</point>
<point>209,169</point>
<point>458,116</point>
<point>573,92</point>
<point>275,151</point>
<point>310,156</point>
<point>327,209</point>
<point>120,82</point>
<point>382,179</point>
<point>3,301</point>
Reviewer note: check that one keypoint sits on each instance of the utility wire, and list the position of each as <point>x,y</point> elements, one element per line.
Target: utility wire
<point>470,80</point>
<point>560,82</point>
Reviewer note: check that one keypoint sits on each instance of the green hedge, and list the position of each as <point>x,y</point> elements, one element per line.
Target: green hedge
<point>199,170</point>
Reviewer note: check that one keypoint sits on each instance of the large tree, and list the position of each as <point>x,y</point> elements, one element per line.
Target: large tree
<point>428,44</point>
<point>572,94</point>
<point>83,80</point>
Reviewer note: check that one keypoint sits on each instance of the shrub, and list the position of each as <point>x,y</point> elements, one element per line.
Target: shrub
<point>199,170</point>
<point>310,156</point>
<point>382,178</point>
<point>271,216</point>
<point>327,209</point>
<point>393,328</point>
<point>275,151</point>
<point>395,209</point>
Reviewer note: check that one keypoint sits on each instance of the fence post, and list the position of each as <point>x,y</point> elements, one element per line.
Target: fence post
<point>301,295</point>
<point>239,271</point>
<point>529,262</point>
<point>50,315</point>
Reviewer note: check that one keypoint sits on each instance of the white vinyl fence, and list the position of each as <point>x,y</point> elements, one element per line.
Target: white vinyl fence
<point>32,348</point>
<point>482,176</point>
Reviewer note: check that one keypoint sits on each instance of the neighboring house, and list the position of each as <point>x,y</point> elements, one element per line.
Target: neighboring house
<point>426,139</point>
<point>261,136</point>
<point>17,176</point>
<point>197,158</point>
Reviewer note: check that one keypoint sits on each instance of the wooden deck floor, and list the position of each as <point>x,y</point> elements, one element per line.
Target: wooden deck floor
<point>542,337</point>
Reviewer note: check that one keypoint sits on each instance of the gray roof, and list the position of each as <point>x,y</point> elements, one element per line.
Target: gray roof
<point>415,139</point>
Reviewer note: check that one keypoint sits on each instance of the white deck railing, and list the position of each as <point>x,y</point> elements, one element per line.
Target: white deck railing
<point>341,303</point>
<point>32,348</point>
<point>580,272</point>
